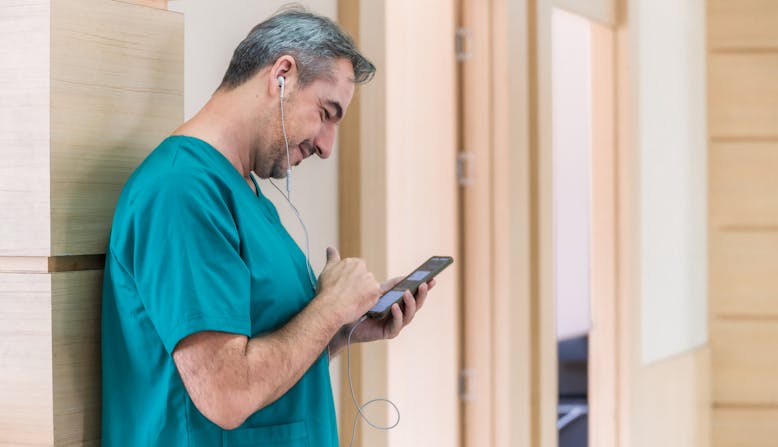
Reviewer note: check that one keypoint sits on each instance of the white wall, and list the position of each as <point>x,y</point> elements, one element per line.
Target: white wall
<point>212,30</point>
<point>572,121</point>
<point>672,146</point>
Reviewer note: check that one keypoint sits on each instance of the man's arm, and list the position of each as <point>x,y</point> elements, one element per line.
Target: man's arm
<point>230,376</point>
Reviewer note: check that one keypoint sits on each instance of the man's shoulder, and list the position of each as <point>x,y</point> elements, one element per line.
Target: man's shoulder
<point>178,167</point>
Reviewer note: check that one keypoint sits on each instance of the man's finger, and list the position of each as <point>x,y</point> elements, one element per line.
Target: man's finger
<point>332,255</point>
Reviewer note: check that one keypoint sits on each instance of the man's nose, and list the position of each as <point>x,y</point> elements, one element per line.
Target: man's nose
<point>324,141</point>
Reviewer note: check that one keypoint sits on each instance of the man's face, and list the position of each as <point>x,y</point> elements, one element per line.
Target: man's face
<point>311,115</point>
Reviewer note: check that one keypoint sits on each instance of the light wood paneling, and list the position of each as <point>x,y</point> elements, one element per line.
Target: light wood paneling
<point>350,231</point>
<point>159,4</point>
<point>743,120</point>
<point>743,95</point>
<point>24,127</point>
<point>672,402</point>
<point>75,310</point>
<point>26,401</point>
<point>743,272</point>
<point>744,427</point>
<point>746,24</point>
<point>50,371</point>
<point>745,361</point>
<point>373,211</point>
<point>420,126</point>
<point>743,184</point>
<point>477,220</point>
<point>117,91</point>
<point>603,336</point>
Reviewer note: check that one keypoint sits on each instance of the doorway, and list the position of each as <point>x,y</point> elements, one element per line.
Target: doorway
<point>510,218</point>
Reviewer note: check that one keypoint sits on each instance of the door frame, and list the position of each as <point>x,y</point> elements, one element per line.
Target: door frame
<point>509,337</point>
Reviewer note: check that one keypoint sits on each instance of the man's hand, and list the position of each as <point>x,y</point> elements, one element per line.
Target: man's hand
<point>347,287</point>
<point>389,327</point>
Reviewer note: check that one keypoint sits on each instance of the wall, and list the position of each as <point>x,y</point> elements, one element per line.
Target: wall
<point>212,30</point>
<point>408,213</point>
<point>670,136</point>
<point>743,150</point>
<point>664,368</point>
<point>572,141</point>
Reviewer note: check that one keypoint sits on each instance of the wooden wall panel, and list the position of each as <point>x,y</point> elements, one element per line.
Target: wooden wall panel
<point>24,127</point>
<point>117,91</point>
<point>742,23</point>
<point>415,115</point>
<point>75,309</point>
<point>743,126</point>
<point>26,364</point>
<point>745,361</point>
<point>159,4</point>
<point>744,427</point>
<point>743,273</point>
<point>743,183</point>
<point>743,95</point>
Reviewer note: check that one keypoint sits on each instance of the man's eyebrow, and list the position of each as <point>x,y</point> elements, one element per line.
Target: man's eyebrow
<point>338,108</point>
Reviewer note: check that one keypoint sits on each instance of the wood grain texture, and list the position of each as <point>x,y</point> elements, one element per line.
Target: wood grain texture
<point>117,91</point>
<point>742,24</point>
<point>744,427</point>
<point>744,362</point>
<point>26,400</point>
<point>743,182</point>
<point>743,272</point>
<point>24,127</point>
<point>75,310</point>
<point>743,95</point>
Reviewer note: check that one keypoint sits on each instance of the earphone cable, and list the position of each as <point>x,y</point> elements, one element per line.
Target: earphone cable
<point>359,408</point>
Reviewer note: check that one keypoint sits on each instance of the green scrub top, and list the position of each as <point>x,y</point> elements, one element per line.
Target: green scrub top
<point>192,249</point>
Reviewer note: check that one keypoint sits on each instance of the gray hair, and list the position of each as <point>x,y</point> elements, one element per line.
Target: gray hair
<point>314,42</point>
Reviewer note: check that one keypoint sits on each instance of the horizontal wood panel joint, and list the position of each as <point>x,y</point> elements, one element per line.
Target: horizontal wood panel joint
<point>747,317</point>
<point>743,50</point>
<point>748,228</point>
<point>745,406</point>
<point>51,264</point>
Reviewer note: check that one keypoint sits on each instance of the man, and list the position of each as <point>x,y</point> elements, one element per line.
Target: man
<point>213,333</point>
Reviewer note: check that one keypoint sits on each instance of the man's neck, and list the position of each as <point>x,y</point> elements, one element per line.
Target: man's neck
<point>226,129</point>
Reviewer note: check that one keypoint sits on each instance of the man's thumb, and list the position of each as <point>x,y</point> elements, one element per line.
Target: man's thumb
<point>332,255</point>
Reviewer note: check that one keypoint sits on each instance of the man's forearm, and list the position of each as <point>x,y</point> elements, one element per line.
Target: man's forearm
<point>229,376</point>
<point>278,360</point>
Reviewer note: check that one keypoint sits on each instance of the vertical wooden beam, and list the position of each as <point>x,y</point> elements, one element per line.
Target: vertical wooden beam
<point>349,216</point>
<point>478,241</point>
<point>603,337</point>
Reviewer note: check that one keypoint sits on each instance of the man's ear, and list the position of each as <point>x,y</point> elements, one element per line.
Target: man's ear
<point>284,67</point>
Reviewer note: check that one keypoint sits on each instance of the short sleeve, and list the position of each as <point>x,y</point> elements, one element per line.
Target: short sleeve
<point>187,264</point>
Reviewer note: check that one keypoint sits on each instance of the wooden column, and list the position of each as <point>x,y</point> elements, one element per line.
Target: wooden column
<point>87,89</point>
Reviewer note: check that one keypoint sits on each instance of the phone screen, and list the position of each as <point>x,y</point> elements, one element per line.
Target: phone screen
<point>422,274</point>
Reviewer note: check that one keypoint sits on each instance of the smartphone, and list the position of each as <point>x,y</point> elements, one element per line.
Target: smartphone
<point>422,274</point>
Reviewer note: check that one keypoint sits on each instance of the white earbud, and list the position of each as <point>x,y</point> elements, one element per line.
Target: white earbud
<point>282,83</point>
